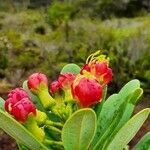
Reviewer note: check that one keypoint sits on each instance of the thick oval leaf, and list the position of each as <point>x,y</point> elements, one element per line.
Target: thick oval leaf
<point>18,132</point>
<point>2,103</point>
<point>79,130</point>
<point>144,143</point>
<point>128,131</point>
<point>71,68</point>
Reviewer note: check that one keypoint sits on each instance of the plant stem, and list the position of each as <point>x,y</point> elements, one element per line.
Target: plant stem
<point>52,143</point>
<point>51,123</point>
<point>54,129</point>
<point>47,101</point>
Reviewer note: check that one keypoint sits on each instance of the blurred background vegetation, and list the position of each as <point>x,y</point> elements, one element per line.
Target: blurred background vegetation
<point>44,35</point>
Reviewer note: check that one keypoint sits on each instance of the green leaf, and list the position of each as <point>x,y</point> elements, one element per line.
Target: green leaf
<point>79,130</point>
<point>34,98</point>
<point>130,87</point>
<point>106,117</point>
<point>111,128</point>
<point>71,68</point>
<point>2,103</point>
<point>19,132</point>
<point>112,105</point>
<point>21,146</point>
<point>136,95</point>
<point>128,131</point>
<point>120,121</point>
<point>127,112</point>
<point>144,143</point>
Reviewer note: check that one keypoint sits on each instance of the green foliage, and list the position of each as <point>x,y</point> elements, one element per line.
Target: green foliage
<point>25,59</point>
<point>4,46</point>
<point>18,132</point>
<point>113,129</point>
<point>121,139</point>
<point>29,44</point>
<point>59,12</point>
<point>79,130</point>
<point>116,111</point>
<point>1,104</point>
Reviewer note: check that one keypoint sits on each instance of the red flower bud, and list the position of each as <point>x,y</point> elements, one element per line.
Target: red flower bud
<point>87,91</point>
<point>22,109</point>
<point>37,81</point>
<point>15,96</point>
<point>54,86</point>
<point>66,80</point>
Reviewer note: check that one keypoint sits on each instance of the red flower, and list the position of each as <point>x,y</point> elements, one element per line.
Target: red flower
<point>87,91</point>
<point>66,80</point>
<point>107,77</point>
<point>37,81</point>
<point>85,67</point>
<point>98,66</point>
<point>54,86</point>
<point>102,72</point>
<point>15,96</point>
<point>22,109</point>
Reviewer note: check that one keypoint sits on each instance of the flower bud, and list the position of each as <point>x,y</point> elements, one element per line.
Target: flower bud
<point>22,109</point>
<point>15,96</point>
<point>66,80</point>
<point>38,85</point>
<point>86,91</point>
<point>54,86</point>
<point>37,81</point>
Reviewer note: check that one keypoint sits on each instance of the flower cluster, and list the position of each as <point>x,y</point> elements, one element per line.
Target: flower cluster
<point>73,91</point>
<point>48,112</point>
<point>87,86</point>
